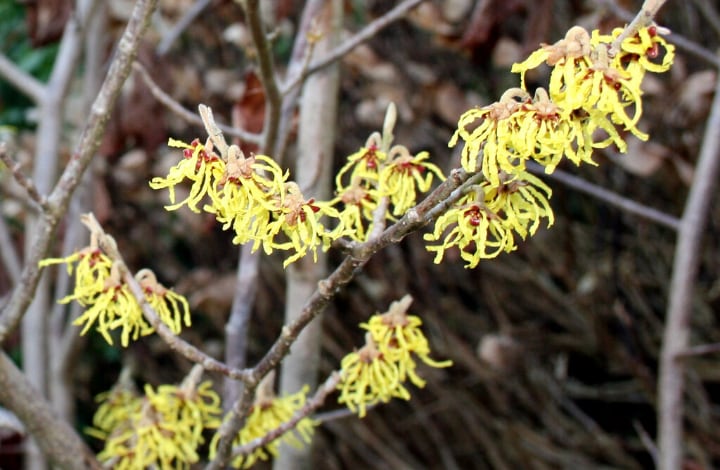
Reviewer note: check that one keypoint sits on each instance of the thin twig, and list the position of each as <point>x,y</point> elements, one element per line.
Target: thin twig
<point>700,350</point>
<point>338,414</point>
<point>644,18</point>
<point>9,253</point>
<point>646,441</point>
<point>19,79</point>
<point>311,405</point>
<point>372,29</point>
<point>598,192</point>
<point>238,324</point>
<point>20,178</point>
<point>671,383</point>
<point>273,100</point>
<point>183,23</point>
<point>186,114</point>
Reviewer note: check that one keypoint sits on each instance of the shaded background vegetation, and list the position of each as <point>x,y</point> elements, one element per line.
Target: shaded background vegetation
<point>555,346</point>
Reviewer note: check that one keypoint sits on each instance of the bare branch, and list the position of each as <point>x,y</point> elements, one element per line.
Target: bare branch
<point>187,19</point>
<point>413,220</point>
<point>57,439</point>
<point>671,382</point>
<point>614,199</point>
<point>24,82</point>
<point>646,441</point>
<point>9,253</point>
<point>236,328</point>
<point>273,100</point>
<point>29,187</point>
<point>238,323</point>
<point>186,114</point>
<point>231,426</point>
<point>701,350</point>
<point>373,28</point>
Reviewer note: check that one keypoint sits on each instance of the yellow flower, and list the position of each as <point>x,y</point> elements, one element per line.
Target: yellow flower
<point>244,195</point>
<point>268,413</point>
<point>299,220</point>
<point>521,200</point>
<point>365,163</point>
<point>199,165</point>
<point>471,226</point>
<point>358,204</point>
<point>585,77</point>
<point>377,372</point>
<point>609,91</point>
<point>172,308</point>
<point>369,377</point>
<point>109,303</point>
<point>496,136</point>
<point>399,339</point>
<point>403,175</point>
<point>547,133</point>
<point>643,49</point>
<point>93,268</point>
<point>481,223</point>
<point>115,411</point>
<point>565,56</point>
<point>115,307</point>
<point>163,429</point>
<point>99,287</point>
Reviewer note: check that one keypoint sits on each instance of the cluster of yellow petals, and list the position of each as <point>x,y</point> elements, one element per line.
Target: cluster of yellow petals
<point>482,223</point>
<point>593,97</point>
<point>404,176</point>
<point>252,196</point>
<point>267,414</point>
<point>371,174</point>
<point>377,372</point>
<point>162,429</point>
<point>109,304</point>
<point>597,86</point>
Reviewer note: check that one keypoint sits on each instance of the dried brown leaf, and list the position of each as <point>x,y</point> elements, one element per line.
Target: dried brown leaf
<point>249,110</point>
<point>46,20</point>
<point>642,158</point>
<point>449,102</point>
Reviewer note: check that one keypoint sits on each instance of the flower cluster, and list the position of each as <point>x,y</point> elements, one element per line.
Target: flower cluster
<point>109,304</point>
<point>482,223</point>
<point>371,175</point>
<point>162,429</point>
<point>268,413</point>
<point>593,97</point>
<point>378,371</point>
<point>595,85</point>
<point>251,195</point>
